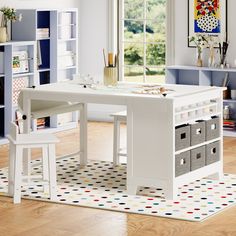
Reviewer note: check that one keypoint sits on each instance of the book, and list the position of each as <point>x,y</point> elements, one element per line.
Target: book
<point>1,62</point>
<point>66,59</point>
<point>20,63</point>
<point>65,18</point>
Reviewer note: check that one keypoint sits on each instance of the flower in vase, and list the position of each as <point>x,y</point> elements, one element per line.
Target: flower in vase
<point>8,15</point>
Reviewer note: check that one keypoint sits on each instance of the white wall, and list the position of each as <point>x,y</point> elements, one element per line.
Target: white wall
<point>93,36</point>
<point>185,55</point>
<point>39,3</point>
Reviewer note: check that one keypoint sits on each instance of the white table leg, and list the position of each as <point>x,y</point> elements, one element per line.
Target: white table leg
<point>26,130</point>
<point>45,169</point>
<point>11,168</point>
<point>116,141</point>
<point>83,135</point>
<point>52,172</point>
<point>18,175</point>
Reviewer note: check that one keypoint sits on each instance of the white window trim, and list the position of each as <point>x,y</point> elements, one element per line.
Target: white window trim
<point>113,6</point>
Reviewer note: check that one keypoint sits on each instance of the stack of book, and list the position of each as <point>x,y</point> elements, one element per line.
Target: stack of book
<point>42,33</point>
<point>229,125</point>
<point>65,31</point>
<point>41,123</point>
<point>65,59</point>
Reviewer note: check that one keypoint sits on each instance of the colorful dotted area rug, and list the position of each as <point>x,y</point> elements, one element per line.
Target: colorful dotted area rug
<point>99,185</point>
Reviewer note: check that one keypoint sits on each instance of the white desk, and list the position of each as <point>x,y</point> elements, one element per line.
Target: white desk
<point>151,121</point>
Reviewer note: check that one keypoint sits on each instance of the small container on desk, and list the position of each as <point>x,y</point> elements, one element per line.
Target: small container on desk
<point>110,76</point>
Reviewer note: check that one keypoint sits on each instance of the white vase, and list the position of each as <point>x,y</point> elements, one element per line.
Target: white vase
<point>211,59</point>
<point>199,62</point>
<point>3,34</point>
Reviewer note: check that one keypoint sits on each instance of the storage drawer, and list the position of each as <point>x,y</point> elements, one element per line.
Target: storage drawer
<point>213,128</point>
<point>198,134</point>
<point>198,158</point>
<point>182,137</point>
<point>212,153</point>
<point>182,163</point>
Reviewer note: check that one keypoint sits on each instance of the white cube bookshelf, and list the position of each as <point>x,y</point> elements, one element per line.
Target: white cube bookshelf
<point>12,82</point>
<point>56,34</point>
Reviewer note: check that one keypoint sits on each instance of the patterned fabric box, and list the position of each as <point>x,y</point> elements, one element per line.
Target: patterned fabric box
<point>18,84</point>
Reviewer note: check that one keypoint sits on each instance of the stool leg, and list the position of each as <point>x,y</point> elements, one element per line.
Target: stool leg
<point>45,170</point>
<point>11,167</point>
<point>18,175</point>
<point>83,135</point>
<point>116,142</point>
<point>52,172</point>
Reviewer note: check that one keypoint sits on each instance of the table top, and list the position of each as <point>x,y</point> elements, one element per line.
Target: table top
<point>124,90</point>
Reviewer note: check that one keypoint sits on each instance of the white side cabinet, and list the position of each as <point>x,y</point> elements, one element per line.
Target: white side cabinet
<point>183,139</point>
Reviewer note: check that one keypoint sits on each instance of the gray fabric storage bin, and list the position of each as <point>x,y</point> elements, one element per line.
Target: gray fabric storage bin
<point>182,137</point>
<point>198,134</point>
<point>198,158</point>
<point>182,163</point>
<point>213,128</point>
<point>212,153</point>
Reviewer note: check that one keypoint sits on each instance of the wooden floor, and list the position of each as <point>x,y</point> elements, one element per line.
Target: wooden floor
<point>45,219</point>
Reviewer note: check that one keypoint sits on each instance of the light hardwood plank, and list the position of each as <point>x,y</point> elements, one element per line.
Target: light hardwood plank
<point>35,218</point>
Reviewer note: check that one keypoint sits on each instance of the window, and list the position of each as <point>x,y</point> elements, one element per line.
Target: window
<point>142,40</point>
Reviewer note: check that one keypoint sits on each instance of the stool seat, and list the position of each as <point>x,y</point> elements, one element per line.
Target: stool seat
<point>122,115</point>
<point>33,139</point>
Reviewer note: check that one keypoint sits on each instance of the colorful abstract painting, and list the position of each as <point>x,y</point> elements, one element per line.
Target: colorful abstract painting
<point>207,16</point>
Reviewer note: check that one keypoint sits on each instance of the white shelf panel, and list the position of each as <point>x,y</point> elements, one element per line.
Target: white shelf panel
<point>196,146</point>
<point>2,106</point>
<point>47,38</point>
<point>22,75</point>
<point>230,100</point>
<point>3,141</point>
<point>228,133</point>
<point>66,40</point>
<point>2,75</point>
<point>180,67</point>
<point>61,25</point>
<point>44,69</point>
<point>67,68</point>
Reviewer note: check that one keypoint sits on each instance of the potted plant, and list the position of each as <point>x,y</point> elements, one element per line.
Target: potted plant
<point>200,42</point>
<point>7,15</point>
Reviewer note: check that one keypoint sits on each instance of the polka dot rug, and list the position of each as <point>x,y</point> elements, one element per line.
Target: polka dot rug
<point>100,185</point>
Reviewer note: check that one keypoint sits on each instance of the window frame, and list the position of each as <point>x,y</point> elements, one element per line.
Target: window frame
<point>170,33</point>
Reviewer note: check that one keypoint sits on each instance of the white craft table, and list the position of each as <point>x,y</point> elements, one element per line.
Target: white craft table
<point>151,121</point>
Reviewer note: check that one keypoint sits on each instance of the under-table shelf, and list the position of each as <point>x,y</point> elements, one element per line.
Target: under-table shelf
<point>2,75</point>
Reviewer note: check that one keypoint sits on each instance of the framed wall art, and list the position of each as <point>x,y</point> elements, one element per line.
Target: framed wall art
<point>207,17</point>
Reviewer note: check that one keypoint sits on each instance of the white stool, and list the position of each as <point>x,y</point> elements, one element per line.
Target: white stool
<point>19,142</point>
<point>119,117</point>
